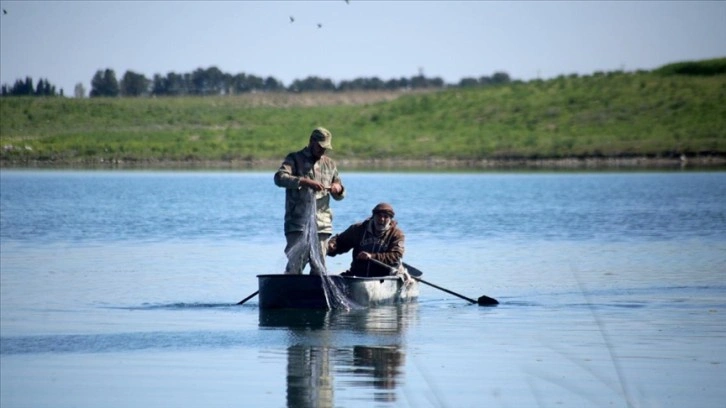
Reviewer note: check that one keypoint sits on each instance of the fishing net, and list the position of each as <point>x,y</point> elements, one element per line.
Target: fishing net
<point>309,250</point>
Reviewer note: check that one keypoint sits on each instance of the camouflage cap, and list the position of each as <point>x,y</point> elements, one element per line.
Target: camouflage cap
<point>323,137</point>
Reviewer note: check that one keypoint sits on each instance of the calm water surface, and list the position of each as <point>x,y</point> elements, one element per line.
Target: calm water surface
<point>117,289</point>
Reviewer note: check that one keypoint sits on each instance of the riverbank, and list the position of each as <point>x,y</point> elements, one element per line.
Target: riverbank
<point>613,120</point>
<point>712,162</point>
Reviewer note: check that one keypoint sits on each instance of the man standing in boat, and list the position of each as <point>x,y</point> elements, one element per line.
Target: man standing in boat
<point>376,238</point>
<point>308,174</point>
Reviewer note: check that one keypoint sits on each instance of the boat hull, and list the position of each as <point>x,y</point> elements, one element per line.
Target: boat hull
<point>307,291</point>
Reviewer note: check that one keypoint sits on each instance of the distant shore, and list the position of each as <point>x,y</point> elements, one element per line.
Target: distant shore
<point>614,121</point>
<point>715,162</point>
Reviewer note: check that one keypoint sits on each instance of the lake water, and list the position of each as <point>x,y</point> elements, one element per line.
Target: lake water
<point>118,289</point>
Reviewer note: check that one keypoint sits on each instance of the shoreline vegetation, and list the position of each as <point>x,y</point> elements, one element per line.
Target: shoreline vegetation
<point>572,163</point>
<point>670,118</point>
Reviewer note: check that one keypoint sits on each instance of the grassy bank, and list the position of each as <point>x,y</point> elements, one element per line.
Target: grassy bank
<point>604,117</point>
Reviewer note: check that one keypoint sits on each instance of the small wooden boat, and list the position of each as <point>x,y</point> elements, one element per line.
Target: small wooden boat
<point>309,291</point>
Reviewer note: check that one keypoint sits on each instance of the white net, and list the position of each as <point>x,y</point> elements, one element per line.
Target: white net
<point>309,250</point>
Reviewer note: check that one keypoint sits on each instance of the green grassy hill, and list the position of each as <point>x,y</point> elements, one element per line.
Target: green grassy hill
<point>663,113</point>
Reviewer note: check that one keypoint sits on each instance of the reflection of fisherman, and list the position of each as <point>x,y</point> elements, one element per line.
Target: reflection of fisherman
<point>309,380</point>
<point>378,237</point>
<point>386,363</point>
<point>312,169</point>
<point>316,358</point>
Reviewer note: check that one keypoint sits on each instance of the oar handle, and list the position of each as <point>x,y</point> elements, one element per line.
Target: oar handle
<point>248,297</point>
<point>445,290</point>
<point>385,265</point>
<point>482,301</point>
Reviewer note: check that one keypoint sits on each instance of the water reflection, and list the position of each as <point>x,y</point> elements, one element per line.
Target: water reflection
<point>309,381</point>
<point>362,350</point>
<point>383,365</point>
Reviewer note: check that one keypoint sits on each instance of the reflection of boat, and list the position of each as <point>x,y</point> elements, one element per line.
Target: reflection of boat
<point>302,319</point>
<point>360,349</point>
<point>309,291</point>
<point>312,372</point>
<point>389,320</point>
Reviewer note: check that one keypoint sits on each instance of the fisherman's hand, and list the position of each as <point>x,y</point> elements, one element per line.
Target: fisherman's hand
<point>312,184</point>
<point>336,188</point>
<point>364,256</point>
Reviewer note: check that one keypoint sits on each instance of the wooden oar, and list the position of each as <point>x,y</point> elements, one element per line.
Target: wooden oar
<point>412,271</point>
<point>248,297</point>
<point>482,301</point>
<point>415,273</point>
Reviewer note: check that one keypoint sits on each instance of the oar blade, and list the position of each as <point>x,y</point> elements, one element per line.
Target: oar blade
<point>412,271</point>
<point>486,301</point>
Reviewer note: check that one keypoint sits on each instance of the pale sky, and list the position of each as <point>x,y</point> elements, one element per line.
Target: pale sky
<point>68,41</point>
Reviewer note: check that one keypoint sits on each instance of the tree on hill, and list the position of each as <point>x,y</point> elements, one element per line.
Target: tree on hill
<point>26,88</point>
<point>44,88</point>
<point>172,84</point>
<point>357,84</point>
<point>22,87</point>
<point>497,79</point>
<point>312,83</point>
<point>104,83</point>
<point>134,84</point>
<point>210,81</point>
<point>79,91</point>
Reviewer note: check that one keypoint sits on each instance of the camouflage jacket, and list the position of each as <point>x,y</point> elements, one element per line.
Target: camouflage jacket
<point>302,164</point>
<point>387,248</point>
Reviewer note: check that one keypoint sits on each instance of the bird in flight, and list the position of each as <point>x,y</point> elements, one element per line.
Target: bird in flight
<point>5,11</point>
<point>292,19</point>
<point>320,25</point>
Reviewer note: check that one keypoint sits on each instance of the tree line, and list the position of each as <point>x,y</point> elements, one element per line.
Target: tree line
<point>26,88</point>
<point>212,81</point>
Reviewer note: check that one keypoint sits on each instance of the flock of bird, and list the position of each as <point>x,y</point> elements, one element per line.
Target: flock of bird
<point>320,25</point>
<point>292,19</point>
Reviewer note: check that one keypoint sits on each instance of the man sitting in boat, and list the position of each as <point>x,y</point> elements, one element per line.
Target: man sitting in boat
<point>376,238</point>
